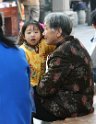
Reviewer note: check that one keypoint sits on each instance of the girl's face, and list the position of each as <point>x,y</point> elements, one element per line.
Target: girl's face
<point>32,35</point>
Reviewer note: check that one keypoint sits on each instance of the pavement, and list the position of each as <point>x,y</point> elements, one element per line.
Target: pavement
<point>85,33</point>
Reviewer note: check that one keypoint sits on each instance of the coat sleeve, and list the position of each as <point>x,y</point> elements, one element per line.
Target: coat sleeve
<point>52,80</point>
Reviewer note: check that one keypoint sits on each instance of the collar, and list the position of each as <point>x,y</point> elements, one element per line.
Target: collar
<point>58,44</point>
<point>34,48</point>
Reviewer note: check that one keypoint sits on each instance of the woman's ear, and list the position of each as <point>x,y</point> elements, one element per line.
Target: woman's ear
<point>59,32</point>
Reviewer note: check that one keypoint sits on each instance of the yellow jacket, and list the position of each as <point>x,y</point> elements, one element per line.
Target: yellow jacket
<point>37,61</point>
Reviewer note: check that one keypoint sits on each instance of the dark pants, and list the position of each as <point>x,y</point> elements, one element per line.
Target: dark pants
<point>41,112</point>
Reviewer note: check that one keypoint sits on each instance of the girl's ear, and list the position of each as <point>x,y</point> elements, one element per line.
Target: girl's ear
<point>23,37</point>
<point>59,32</point>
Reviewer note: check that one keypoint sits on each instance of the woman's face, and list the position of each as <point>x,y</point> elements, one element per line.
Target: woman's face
<point>32,35</point>
<point>50,35</point>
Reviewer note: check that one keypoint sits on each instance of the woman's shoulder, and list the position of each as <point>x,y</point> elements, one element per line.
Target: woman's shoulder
<point>70,42</point>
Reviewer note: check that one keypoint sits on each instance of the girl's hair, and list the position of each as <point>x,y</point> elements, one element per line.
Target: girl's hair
<point>93,17</point>
<point>59,20</point>
<point>26,24</point>
<point>3,39</point>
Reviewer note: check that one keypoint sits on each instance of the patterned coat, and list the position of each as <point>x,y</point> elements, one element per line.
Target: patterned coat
<point>67,89</point>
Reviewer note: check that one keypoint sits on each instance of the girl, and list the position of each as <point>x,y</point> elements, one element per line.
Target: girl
<point>36,49</point>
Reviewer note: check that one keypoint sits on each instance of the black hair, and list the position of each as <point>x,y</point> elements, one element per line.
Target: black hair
<point>93,17</point>
<point>3,38</point>
<point>59,20</point>
<point>26,24</point>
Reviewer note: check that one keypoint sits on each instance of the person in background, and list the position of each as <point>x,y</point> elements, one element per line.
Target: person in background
<point>16,103</point>
<point>67,88</point>
<point>93,40</point>
<point>31,9</point>
<point>78,5</point>
<point>36,49</point>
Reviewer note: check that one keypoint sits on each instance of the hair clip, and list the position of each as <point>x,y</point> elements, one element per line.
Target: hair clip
<point>42,25</point>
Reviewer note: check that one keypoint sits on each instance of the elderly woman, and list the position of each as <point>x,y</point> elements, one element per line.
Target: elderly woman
<point>67,89</point>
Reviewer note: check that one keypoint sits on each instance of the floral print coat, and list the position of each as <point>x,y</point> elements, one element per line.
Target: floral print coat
<point>67,89</point>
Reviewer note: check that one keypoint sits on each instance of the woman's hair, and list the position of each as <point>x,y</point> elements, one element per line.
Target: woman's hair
<point>26,24</point>
<point>59,20</point>
<point>93,17</point>
<point>3,39</point>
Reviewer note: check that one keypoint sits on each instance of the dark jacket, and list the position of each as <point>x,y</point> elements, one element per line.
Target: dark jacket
<point>67,88</point>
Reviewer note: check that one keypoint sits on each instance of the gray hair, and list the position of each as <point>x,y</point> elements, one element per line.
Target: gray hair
<point>59,20</point>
